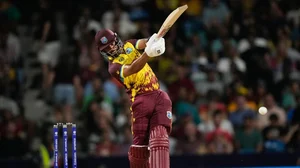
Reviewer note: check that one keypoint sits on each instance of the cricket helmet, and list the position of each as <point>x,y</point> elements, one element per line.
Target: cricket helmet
<point>108,43</point>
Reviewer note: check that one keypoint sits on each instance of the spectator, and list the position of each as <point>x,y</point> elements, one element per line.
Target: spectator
<point>231,64</point>
<point>111,89</point>
<point>12,144</point>
<point>10,47</point>
<point>96,94</point>
<point>260,93</point>
<point>48,44</point>
<point>13,14</point>
<point>212,102</point>
<point>219,142</point>
<point>106,147</point>
<point>276,136</point>
<point>281,64</point>
<point>288,97</point>
<point>185,106</point>
<point>190,143</point>
<point>65,74</point>
<point>102,137</point>
<point>125,142</point>
<point>182,80</point>
<point>46,35</point>
<point>238,88</point>
<point>123,118</point>
<point>237,117</point>
<point>9,104</point>
<point>165,64</point>
<point>294,114</point>
<point>216,13</point>
<point>84,26</point>
<point>248,139</point>
<point>211,83</point>
<point>9,9</point>
<point>219,45</point>
<point>219,122</point>
<point>273,108</point>
<point>118,20</point>
<point>9,56</point>
<point>273,126</point>
<point>296,141</point>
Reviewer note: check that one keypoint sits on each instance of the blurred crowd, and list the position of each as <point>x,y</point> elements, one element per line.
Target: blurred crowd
<point>224,59</point>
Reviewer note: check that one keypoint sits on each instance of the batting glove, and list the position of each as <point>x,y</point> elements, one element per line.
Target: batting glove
<point>152,39</point>
<point>156,47</point>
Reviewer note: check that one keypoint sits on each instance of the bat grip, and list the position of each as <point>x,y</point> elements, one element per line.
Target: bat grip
<point>159,35</point>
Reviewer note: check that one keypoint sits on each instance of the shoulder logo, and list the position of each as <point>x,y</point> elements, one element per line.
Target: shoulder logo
<point>103,40</point>
<point>169,115</point>
<point>121,59</point>
<point>128,50</point>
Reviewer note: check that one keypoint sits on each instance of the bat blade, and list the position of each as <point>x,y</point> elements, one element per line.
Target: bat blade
<point>170,20</point>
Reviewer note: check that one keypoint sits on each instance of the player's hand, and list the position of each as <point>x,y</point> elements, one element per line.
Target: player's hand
<point>156,49</point>
<point>155,46</point>
<point>152,39</point>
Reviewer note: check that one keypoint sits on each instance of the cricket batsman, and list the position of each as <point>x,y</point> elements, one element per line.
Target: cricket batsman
<point>151,108</point>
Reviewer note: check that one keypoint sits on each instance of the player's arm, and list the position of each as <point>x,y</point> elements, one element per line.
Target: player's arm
<point>153,48</point>
<point>135,66</point>
<point>141,43</point>
<point>46,29</point>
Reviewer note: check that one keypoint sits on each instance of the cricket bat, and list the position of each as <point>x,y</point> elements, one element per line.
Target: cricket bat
<point>170,20</point>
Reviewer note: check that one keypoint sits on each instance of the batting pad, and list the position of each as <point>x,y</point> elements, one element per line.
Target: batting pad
<point>138,156</point>
<point>159,148</point>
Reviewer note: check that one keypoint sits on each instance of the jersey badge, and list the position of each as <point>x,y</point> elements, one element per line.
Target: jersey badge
<point>169,115</point>
<point>103,40</point>
<point>128,50</point>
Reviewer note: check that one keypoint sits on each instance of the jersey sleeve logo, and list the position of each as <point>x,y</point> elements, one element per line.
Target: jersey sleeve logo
<point>128,50</point>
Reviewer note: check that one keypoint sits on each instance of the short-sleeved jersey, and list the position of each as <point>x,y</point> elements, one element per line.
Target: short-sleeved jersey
<point>141,82</point>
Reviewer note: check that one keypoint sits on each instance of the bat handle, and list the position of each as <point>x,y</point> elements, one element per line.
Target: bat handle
<point>159,35</point>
